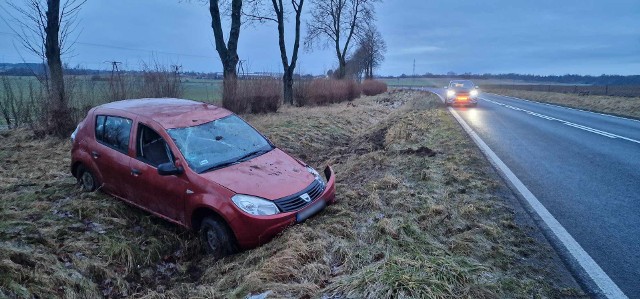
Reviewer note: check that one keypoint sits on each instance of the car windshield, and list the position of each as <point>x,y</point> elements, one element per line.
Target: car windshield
<point>219,143</point>
<point>462,84</point>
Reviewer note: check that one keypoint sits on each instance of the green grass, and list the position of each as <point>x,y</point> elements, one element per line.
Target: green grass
<point>203,90</point>
<point>85,93</point>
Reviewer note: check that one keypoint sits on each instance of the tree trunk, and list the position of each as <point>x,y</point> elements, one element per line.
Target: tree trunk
<point>59,122</point>
<point>287,83</point>
<point>342,68</point>
<point>228,52</point>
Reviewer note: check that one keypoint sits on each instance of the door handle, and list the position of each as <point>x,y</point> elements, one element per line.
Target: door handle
<point>136,172</point>
<point>95,154</point>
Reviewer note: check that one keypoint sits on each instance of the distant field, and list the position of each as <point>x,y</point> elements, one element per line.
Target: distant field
<point>86,92</point>
<point>202,90</point>
<point>440,82</point>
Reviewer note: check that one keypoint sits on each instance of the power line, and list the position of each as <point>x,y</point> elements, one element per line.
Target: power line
<point>130,49</point>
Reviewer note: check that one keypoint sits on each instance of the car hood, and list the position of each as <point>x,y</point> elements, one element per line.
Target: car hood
<point>272,176</point>
<point>462,89</point>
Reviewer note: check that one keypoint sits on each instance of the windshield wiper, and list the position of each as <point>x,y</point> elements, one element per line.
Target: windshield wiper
<point>251,155</point>
<point>244,158</point>
<point>221,165</point>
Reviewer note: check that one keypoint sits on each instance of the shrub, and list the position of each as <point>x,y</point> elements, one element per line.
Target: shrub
<point>252,96</point>
<point>373,87</point>
<point>326,91</point>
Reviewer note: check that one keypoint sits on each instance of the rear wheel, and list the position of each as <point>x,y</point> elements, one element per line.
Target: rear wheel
<point>216,238</point>
<point>86,179</point>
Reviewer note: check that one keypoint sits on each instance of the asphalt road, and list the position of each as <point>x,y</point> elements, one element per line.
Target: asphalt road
<point>583,167</point>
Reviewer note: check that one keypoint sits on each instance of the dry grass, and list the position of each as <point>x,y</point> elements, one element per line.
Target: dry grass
<point>621,106</point>
<point>325,91</point>
<point>405,225</point>
<point>253,96</point>
<point>373,87</point>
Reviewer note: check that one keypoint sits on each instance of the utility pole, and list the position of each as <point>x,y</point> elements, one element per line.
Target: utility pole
<point>117,92</point>
<point>414,67</point>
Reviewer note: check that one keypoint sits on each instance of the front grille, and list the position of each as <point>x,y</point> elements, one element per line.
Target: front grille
<point>295,202</point>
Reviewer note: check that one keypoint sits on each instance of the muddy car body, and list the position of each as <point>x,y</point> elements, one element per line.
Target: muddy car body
<point>199,166</point>
<point>461,92</point>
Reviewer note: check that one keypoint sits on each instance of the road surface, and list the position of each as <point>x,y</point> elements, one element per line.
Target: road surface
<point>583,167</point>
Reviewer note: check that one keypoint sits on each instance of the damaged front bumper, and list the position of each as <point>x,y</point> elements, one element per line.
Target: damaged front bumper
<point>264,228</point>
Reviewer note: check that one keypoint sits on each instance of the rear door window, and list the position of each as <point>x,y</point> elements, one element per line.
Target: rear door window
<point>113,131</point>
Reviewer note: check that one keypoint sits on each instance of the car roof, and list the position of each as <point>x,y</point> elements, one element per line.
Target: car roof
<point>458,81</point>
<point>168,112</point>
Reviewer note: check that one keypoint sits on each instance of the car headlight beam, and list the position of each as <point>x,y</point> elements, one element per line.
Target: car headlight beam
<point>474,93</point>
<point>451,93</point>
<point>255,205</point>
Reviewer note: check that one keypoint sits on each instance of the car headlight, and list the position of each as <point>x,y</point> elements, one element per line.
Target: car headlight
<point>451,93</point>
<point>474,93</point>
<point>255,205</point>
<point>315,174</point>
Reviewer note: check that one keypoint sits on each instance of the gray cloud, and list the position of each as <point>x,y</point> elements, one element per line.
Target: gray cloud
<point>543,37</point>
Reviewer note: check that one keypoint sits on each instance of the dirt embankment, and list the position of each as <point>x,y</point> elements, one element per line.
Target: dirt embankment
<point>620,106</point>
<point>419,214</point>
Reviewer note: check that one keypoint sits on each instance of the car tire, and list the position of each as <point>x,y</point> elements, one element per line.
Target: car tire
<point>87,180</point>
<point>216,238</point>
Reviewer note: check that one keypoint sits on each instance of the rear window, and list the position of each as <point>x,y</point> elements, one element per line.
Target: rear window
<point>113,131</point>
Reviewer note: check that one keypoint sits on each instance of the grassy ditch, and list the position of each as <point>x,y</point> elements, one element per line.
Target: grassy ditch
<point>621,106</point>
<point>419,214</point>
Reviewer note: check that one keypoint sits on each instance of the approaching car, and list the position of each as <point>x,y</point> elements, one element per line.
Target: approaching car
<point>199,166</point>
<point>462,92</point>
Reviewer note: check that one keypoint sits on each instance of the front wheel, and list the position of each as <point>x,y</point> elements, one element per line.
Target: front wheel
<point>87,180</point>
<point>216,238</point>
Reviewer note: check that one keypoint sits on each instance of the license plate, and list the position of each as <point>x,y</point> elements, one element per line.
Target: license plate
<point>310,210</point>
<point>463,98</point>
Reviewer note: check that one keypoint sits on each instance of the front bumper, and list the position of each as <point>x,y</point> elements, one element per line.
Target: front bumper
<point>252,231</point>
<point>464,100</point>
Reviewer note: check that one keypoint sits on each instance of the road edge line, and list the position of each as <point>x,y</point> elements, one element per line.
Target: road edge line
<point>570,108</point>
<point>587,268</point>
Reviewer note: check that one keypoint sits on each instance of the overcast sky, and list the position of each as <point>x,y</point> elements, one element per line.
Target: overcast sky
<point>490,36</point>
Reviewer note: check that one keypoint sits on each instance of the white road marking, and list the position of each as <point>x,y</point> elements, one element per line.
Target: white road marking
<point>588,266</point>
<point>577,126</point>
<point>608,288</point>
<point>570,108</point>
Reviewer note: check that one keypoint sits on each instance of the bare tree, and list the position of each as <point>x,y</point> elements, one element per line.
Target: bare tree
<point>44,28</point>
<point>356,64</point>
<point>337,23</point>
<point>227,50</point>
<point>288,66</point>
<point>374,47</point>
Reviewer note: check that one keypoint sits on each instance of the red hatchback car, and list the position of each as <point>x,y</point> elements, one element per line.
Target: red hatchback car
<point>199,166</point>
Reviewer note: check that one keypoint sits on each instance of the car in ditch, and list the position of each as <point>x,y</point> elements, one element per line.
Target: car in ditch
<point>462,93</point>
<point>199,166</point>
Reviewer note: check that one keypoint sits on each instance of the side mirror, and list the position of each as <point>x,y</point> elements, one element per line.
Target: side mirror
<point>168,169</point>
<point>477,87</point>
